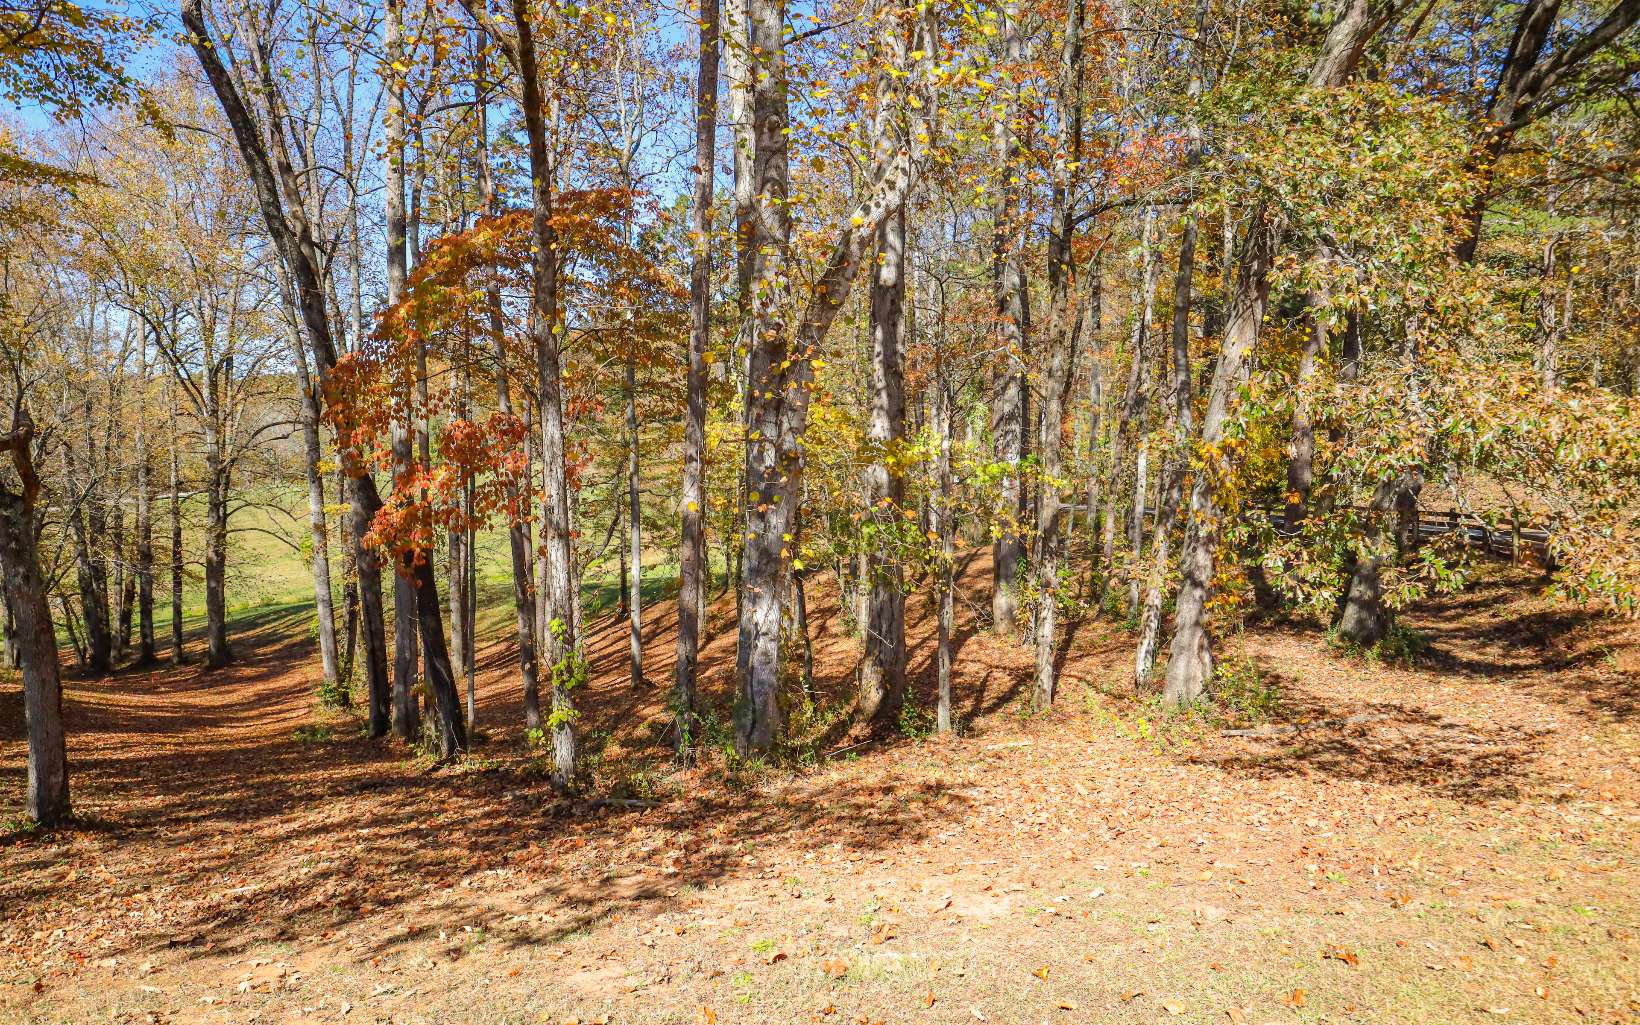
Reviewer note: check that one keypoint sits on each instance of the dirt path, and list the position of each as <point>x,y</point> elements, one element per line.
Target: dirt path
<point>1464,850</point>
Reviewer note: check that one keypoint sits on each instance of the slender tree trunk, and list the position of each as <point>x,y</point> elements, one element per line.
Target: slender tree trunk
<point>518,531</point>
<point>692,557</point>
<point>1010,409</point>
<point>557,582</point>
<point>406,711</point>
<point>948,558</point>
<point>882,670</point>
<point>323,610</point>
<point>176,534</point>
<point>45,798</point>
<point>120,592</point>
<point>634,527</point>
<point>145,530</point>
<point>1065,328</point>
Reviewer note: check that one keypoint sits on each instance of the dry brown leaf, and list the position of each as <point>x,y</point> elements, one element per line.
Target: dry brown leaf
<point>1041,973</point>
<point>1173,1007</point>
<point>835,967</point>
<point>1131,995</point>
<point>1334,952</point>
<point>928,1000</point>
<point>1235,1015</point>
<point>1297,998</point>
<point>1067,1005</point>
<point>705,1016</point>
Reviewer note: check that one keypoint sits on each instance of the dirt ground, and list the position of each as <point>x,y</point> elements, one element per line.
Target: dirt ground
<point>1459,848</point>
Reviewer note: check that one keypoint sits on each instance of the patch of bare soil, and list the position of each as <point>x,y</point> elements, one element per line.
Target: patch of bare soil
<point>1450,842</point>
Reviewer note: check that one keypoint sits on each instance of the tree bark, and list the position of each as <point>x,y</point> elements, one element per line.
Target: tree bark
<point>780,368</point>
<point>692,565</point>
<point>1011,398</point>
<point>1065,327</point>
<point>634,528</point>
<point>323,609</point>
<point>882,670</point>
<point>45,798</point>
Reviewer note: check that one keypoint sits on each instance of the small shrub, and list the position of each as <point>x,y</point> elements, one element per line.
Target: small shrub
<point>1243,692</point>
<point>335,695</point>
<point>916,722</point>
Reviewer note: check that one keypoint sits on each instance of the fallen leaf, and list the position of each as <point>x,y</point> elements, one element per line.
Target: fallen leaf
<point>1333,952</point>
<point>705,1016</point>
<point>1296,998</point>
<point>928,1001</point>
<point>1235,1015</point>
<point>1172,1007</point>
<point>1067,1005</point>
<point>1131,995</point>
<point>1041,973</point>
<point>835,967</point>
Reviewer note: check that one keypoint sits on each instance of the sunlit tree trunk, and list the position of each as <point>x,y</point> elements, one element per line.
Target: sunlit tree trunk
<point>882,670</point>
<point>692,567</point>
<point>1064,330</point>
<point>1011,395</point>
<point>45,795</point>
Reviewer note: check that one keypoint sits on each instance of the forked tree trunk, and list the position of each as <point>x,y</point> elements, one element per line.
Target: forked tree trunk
<point>278,197</point>
<point>780,370</point>
<point>1190,658</point>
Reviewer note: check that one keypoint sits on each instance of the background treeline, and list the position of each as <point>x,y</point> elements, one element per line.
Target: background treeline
<point>1177,308</point>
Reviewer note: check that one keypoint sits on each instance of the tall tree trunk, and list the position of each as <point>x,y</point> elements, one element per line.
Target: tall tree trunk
<point>278,196</point>
<point>692,559</point>
<point>45,798</point>
<point>145,528</point>
<point>556,571</point>
<point>176,532</point>
<point>1064,328</point>
<point>323,610</point>
<point>406,710</point>
<point>634,529</point>
<point>1011,397</point>
<point>518,531</point>
<point>882,670</point>
<point>780,370</point>
<point>948,556</point>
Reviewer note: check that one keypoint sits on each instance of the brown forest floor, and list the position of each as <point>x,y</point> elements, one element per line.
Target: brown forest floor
<point>1467,853</point>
